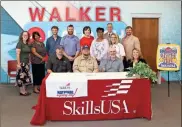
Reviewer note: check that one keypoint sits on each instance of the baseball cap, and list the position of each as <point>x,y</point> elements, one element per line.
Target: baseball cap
<point>85,47</point>
<point>59,47</point>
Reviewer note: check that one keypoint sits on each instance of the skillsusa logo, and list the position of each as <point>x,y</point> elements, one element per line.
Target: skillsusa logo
<point>104,106</point>
<point>66,91</point>
<point>117,88</point>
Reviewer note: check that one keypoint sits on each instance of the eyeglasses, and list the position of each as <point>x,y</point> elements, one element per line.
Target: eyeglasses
<point>113,37</point>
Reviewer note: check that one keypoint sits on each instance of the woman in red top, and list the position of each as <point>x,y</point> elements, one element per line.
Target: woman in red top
<point>87,38</point>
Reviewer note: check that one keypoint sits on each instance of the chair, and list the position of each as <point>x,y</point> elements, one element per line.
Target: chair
<point>12,66</point>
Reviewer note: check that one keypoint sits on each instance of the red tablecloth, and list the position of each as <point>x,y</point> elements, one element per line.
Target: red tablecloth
<point>135,104</point>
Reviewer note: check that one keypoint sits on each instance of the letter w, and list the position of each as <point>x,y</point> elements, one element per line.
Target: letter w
<point>36,13</point>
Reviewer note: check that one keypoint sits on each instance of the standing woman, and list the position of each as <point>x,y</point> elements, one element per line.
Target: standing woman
<point>120,53</point>
<point>87,38</point>
<point>23,50</point>
<point>38,59</point>
<point>99,47</point>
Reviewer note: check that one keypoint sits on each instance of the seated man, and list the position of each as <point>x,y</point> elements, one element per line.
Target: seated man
<point>58,62</point>
<point>112,64</point>
<point>84,62</point>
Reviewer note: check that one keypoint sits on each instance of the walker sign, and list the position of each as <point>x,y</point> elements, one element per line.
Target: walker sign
<point>40,16</point>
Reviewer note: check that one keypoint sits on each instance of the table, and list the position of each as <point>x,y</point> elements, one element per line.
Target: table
<point>110,96</point>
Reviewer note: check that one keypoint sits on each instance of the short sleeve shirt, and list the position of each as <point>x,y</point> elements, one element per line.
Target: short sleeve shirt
<point>41,50</point>
<point>25,51</point>
<point>85,65</point>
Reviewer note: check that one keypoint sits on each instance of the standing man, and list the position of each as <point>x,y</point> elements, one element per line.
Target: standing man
<point>71,45</point>
<point>130,42</point>
<point>53,41</point>
<point>109,32</point>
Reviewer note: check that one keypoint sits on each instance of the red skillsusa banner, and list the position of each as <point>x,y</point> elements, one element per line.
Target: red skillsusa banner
<point>105,100</point>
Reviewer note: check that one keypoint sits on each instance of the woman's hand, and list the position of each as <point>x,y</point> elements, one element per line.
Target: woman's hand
<point>44,59</point>
<point>103,70</point>
<point>49,71</point>
<point>18,66</point>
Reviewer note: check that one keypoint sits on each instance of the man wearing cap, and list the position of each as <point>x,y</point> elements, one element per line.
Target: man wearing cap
<point>84,62</point>
<point>111,64</point>
<point>58,62</point>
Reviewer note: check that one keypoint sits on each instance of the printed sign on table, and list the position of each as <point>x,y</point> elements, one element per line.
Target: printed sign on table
<point>66,86</point>
<point>168,57</point>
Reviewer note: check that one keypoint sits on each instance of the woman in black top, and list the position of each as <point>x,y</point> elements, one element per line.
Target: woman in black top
<point>137,57</point>
<point>38,58</point>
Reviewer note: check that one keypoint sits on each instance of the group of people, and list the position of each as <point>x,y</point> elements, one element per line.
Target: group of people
<point>105,53</point>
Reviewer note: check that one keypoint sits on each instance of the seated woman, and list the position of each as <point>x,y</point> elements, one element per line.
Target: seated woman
<point>137,57</point>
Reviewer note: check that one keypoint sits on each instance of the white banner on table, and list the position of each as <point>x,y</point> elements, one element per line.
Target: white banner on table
<point>66,86</point>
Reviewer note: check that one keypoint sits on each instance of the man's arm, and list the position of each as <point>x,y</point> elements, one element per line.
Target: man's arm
<point>102,66</point>
<point>69,67</point>
<point>77,54</point>
<point>49,66</point>
<point>75,66</point>
<point>64,53</point>
<point>121,67</point>
<point>62,44</point>
<point>47,46</point>
<point>96,68</point>
<point>137,44</point>
<point>77,48</point>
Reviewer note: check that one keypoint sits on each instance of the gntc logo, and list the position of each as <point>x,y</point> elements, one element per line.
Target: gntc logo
<point>66,91</point>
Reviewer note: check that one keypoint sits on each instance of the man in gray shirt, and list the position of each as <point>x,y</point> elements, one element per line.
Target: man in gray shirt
<point>112,64</point>
<point>71,45</point>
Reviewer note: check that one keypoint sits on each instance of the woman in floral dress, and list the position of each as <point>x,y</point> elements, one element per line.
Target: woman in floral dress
<point>23,50</point>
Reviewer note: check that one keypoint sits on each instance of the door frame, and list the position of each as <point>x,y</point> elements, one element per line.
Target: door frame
<point>151,15</point>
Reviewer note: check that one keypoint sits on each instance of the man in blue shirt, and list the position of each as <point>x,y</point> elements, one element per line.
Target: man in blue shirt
<point>71,45</point>
<point>111,64</point>
<point>53,41</point>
